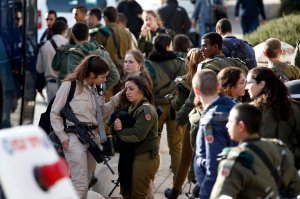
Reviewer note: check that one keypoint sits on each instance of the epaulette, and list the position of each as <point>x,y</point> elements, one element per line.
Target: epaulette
<point>202,64</point>
<point>180,58</point>
<point>93,30</point>
<point>275,141</point>
<point>241,155</point>
<point>178,79</point>
<point>146,108</point>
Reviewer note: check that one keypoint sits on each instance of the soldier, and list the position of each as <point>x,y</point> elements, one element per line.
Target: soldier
<point>68,57</point>
<point>284,71</point>
<point>164,66</point>
<point>94,18</point>
<point>257,168</point>
<point>212,136</point>
<point>216,61</point>
<point>143,135</point>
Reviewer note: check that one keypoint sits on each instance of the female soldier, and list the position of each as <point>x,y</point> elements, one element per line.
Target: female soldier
<point>134,65</point>
<point>280,114</point>
<point>91,71</point>
<point>151,27</point>
<point>143,133</point>
<point>184,84</point>
<point>164,66</point>
<point>232,81</point>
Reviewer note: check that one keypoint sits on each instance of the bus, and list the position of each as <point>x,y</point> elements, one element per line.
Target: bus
<point>18,49</point>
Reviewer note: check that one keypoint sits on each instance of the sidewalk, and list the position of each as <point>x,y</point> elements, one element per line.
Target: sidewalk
<point>163,178</point>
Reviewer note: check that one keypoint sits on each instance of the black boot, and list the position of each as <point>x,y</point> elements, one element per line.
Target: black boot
<point>171,193</point>
<point>108,147</point>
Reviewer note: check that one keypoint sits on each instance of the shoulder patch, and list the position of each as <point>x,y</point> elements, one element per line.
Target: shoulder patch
<point>148,117</point>
<point>227,167</point>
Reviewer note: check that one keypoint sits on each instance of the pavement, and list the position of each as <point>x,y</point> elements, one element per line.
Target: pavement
<point>164,175</point>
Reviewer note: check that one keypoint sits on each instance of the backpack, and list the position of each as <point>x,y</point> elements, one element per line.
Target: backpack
<point>40,80</point>
<point>45,122</point>
<point>279,72</point>
<point>237,48</point>
<point>296,57</point>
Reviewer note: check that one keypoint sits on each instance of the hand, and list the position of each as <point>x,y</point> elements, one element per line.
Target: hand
<point>65,144</point>
<point>144,30</point>
<point>118,125</point>
<point>237,19</point>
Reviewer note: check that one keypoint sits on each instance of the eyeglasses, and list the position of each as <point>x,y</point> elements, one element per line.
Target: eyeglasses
<point>19,18</point>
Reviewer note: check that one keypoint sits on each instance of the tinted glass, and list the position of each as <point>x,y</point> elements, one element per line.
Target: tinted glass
<point>68,5</point>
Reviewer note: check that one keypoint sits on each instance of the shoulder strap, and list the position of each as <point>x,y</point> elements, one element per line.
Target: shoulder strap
<point>265,160</point>
<point>70,97</point>
<point>113,34</point>
<point>53,43</point>
<point>71,92</point>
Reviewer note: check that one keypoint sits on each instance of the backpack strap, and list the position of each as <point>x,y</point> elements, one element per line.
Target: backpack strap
<point>117,44</point>
<point>264,158</point>
<point>53,44</point>
<point>70,97</point>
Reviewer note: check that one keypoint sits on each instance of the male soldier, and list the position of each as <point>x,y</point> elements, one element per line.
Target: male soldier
<point>257,168</point>
<point>284,71</point>
<point>68,57</point>
<point>46,54</point>
<point>94,18</point>
<point>216,61</point>
<point>212,136</point>
<point>234,47</point>
<point>118,42</point>
<point>79,13</point>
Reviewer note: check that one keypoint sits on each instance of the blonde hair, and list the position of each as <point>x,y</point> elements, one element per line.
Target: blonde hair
<point>155,16</point>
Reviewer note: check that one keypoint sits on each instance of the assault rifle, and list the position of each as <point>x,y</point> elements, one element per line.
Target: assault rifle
<point>85,136</point>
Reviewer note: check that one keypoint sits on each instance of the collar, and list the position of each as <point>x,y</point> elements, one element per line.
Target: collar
<point>250,138</point>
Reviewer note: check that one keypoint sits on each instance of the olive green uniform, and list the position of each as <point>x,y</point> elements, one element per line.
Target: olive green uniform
<point>216,64</point>
<point>291,72</point>
<point>145,134</point>
<point>163,84</point>
<point>244,174</point>
<point>123,39</point>
<point>286,130</point>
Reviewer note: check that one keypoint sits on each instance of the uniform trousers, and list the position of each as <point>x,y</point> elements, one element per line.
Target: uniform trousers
<point>51,89</point>
<point>174,137</point>
<point>81,164</point>
<point>185,162</point>
<point>144,168</point>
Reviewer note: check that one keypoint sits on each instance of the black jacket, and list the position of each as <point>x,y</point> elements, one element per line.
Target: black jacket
<point>175,17</point>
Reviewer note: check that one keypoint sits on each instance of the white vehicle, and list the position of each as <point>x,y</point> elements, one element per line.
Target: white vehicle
<point>30,166</point>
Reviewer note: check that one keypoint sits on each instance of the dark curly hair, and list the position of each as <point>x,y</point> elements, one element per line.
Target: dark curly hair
<point>143,85</point>
<point>274,94</point>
